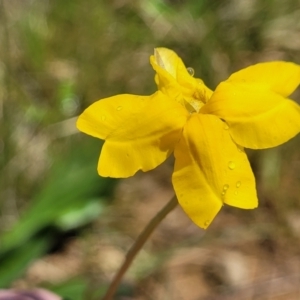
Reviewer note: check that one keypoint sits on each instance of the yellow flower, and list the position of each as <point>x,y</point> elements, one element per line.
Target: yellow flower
<point>206,130</point>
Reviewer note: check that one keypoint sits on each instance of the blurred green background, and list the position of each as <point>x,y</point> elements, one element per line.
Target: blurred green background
<point>65,228</point>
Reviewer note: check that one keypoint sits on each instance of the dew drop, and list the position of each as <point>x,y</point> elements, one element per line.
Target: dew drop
<point>103,118</point>
<point>206,223</point>
<point>225,187</point>
<point>119,107</point>
<point>238,184</point>
<point>223,193</point>
<point>231,165</point>
<point>236,192</point>
<point>191,71</point>
<point>226,127</point>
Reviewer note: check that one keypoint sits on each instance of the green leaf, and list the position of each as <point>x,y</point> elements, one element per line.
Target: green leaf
<point>72,188</point>
<point>16,262</point>
<point>77,289</point>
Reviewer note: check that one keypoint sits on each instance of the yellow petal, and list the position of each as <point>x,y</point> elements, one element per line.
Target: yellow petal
<point>257,117</point>
<point>140,131</point>
<point>169,61</point>
<point>210,169</point>
<point>169,67</point>
<point>173,79</point>
<point>280,77</point>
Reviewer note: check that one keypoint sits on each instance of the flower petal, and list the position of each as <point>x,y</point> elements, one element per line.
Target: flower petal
<point>172,63</point>
<point>280,77</point>
<point>173,79</point>
<point>257,117</point>
<point>140,131</point>
<point>210,169</point>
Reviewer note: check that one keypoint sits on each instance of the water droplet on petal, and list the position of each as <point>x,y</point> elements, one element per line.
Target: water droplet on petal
<point>103,118</point>
<point>190,71</point>
<point>226,127</point>
<point>206,223</point>
<point>119,107</point>
<point>225,187</point>
<point>223,193</point>
<point>236,192</point>
<point>231,165</point>
<point>238,184</point>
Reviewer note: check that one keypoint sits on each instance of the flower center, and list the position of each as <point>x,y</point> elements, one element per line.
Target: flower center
<point>197,96</point>
<point>193,105</point>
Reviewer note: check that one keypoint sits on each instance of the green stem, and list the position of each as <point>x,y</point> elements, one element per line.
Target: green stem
<point>136,247</point>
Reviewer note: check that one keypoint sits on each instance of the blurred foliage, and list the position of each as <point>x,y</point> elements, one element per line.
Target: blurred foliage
<point>57,57</point>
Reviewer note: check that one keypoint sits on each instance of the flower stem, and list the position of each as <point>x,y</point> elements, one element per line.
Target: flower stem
<point>136,247</point>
